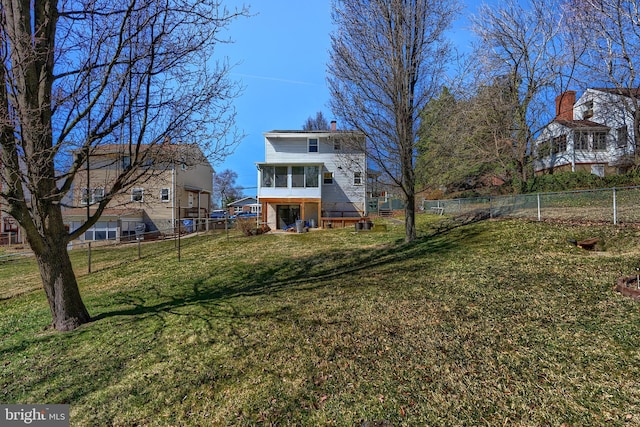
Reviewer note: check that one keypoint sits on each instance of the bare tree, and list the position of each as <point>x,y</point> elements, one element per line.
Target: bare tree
<point>317,123</point>
<point>78,74</point>
<point>386,61</point>
<point>523,45</point>
<point>612,35</point>
<point>225,188</point>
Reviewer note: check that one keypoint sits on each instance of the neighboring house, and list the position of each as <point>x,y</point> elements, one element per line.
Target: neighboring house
<point>246,204</point>
<point>313,176</point>
<point>593,134</point>
<point>10,230</point>
<point>178,187</point>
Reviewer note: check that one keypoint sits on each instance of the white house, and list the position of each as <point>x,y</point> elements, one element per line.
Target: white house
<point>315,176</point>
<point>593,134</point>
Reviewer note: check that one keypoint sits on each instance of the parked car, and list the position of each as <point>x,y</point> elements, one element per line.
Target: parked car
<point>218,214</point>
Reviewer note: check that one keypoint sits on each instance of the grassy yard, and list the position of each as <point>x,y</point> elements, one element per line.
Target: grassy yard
<point>490,323</point>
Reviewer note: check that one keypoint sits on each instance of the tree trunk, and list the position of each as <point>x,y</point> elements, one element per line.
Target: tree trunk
<point>60,285</point>
<point>410,218</point>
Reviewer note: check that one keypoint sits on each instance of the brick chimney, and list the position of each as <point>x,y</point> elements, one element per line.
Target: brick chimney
<point>564,105</point>
<point>333,125</point>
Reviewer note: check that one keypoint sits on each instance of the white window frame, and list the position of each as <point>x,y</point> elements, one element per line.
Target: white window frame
<point>310,177</point>
<point>599,141</point>
<point>85,197</point>
<point>97,194</point>
<point>165,194</point>
<point>134,192</point>
<point>91,195</point>
<point>357,178</point>
<point>298,176</point>
<point>310,145</point>
<point>280,179</point>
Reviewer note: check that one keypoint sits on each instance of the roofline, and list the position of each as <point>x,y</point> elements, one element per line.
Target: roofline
<point>304,133</point>
<point>290,164</point>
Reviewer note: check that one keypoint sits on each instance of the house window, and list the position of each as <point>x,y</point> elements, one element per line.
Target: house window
<point>621,137</point>
<point>313,145</point>
<point>327,178</point>
<point>559,144</point>
<point>102,230</point>
<point>588,112</point>
<point>581,140</point>
<point>126,162</point>
<point>297,176</point>
<point>84,198</point>
<point>165,195</point>
<point>98,194</point>
<point>337,145</point>
<point>357,178</point>
<point>92,195</point>
<point>599,141</point>
<point>544,149</point>
<point>597,170</point>
<point>137,195</point>
<point>268,174</point>
<point>281,176</point>
<point>311,176</point>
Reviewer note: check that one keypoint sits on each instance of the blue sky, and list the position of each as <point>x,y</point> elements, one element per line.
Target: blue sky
<point>281,54</point>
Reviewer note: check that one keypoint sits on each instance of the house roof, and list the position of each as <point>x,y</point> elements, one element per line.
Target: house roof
<point>292,163</point>
<point>630,92</point>
<point>242,200</point>
<point>185,153</point>
<point>325,133</point>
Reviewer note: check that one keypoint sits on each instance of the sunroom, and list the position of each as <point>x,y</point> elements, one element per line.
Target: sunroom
<point>290,192</point>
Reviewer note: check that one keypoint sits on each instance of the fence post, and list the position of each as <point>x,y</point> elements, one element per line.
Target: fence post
<point>89,258</point>
<point>615,208</point>
<point>490,207</point>
<point>539,216</point>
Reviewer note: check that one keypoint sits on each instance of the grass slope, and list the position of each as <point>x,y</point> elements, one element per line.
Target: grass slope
<point>490,323</point>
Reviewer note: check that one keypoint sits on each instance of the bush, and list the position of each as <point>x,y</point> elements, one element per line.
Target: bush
<point>245,225</point>
<point>248,227</point>
<point>567,181</point>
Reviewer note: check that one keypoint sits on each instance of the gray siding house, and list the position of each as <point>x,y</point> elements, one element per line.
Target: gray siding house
<point>315,176</point>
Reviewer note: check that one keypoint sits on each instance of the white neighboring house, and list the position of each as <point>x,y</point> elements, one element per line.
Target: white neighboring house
<point>315,176</point>
<point>593,134</point>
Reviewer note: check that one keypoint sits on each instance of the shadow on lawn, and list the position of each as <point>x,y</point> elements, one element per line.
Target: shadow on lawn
<point>307,273</point>
<point>215,310</point>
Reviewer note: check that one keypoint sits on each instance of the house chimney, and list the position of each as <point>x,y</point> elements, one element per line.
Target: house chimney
<point>333,126</point>
<point>564,105</point>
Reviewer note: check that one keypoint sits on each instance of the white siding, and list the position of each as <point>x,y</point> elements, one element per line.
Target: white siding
<point>289,148</point>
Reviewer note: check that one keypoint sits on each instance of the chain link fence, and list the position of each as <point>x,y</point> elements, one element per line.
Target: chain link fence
<point>610,205</point>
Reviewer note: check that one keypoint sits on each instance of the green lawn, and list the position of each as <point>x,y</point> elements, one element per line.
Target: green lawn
<point>490,323</point>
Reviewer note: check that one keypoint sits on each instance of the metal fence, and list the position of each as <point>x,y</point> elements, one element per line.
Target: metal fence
<point>610,205</point>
